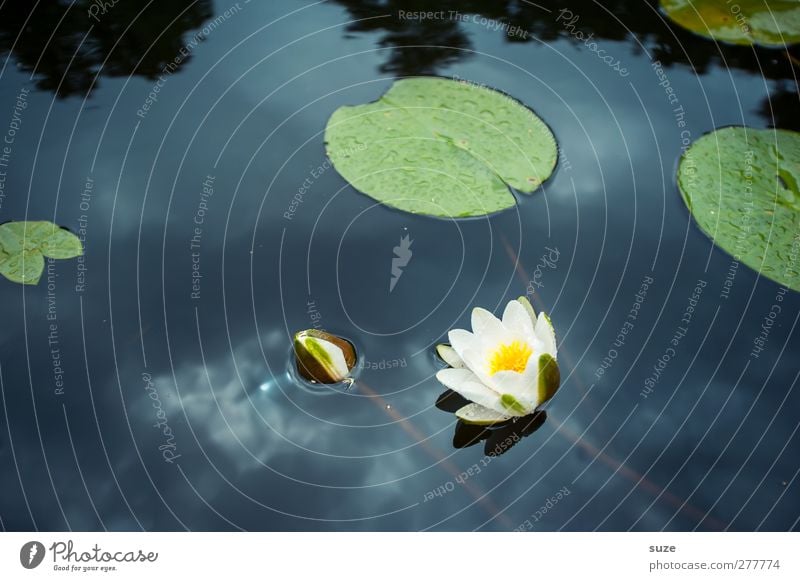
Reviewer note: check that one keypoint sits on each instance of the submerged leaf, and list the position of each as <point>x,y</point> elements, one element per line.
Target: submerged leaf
<point>441,147</point>
<point>741,186</point>
<point>772,23</point>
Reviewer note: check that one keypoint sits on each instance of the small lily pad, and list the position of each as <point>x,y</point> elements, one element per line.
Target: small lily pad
<point>773,23</point>
<point>741,186</point>
<point>24,246</point>
<point>441,147</point>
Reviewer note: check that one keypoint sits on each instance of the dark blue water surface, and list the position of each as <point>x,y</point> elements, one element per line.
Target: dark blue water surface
<point>149,385</point>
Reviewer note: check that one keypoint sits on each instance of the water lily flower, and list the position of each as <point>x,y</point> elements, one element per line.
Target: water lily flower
<point>507,367</point>
<point>323,357</point>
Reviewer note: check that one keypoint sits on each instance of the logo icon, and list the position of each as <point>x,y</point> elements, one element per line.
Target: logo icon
<point>31,554</point>
<point>402,255</point>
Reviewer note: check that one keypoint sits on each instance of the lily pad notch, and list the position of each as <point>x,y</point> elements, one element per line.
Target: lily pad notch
<point>442,148</point>
<point>25,245</point>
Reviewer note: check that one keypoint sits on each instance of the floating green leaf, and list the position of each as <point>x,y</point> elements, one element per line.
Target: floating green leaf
<point>741,186</point>
<point>772,23</point>
<point>24,245</point>
<point>441,147</point>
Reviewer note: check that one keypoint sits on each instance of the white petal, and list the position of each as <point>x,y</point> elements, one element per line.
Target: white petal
<point>486,326</point>
<point>449,355</point>
<point>339,368</point>
<point>526,304</point>
<point>464,382</point>
<point>493,333</point>
<point>546,334</point>
<point>521,385</point>
<point>475,360</point>
<point>461,340</point>
<point>517,320</point>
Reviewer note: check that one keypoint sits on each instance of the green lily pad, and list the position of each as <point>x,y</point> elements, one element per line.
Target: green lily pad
<point>24,246</point>
<point>772,23</point>
<point>25,267</point>
<point>441,147</point>
<point>741,186</point>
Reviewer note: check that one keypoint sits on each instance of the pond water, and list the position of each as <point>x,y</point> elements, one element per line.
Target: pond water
<point>149,385</point>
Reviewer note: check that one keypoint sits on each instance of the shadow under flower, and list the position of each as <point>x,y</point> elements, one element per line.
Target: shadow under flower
<point>499,438</point>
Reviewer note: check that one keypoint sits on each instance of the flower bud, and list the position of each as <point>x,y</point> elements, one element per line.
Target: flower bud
<point>322,357</point>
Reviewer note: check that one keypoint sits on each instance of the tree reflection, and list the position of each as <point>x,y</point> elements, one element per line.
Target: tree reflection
<point>427,46</point>
<point>65,48</point>
<point>780,109</point>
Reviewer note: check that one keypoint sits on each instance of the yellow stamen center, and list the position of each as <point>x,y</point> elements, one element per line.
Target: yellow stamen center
<point>511,357</point>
